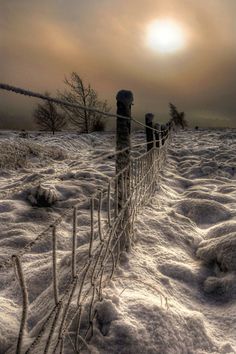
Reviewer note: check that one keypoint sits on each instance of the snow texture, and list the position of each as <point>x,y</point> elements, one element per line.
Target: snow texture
<point>175,292</point>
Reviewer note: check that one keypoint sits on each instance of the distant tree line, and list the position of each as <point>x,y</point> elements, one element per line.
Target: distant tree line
<point>48,116</point>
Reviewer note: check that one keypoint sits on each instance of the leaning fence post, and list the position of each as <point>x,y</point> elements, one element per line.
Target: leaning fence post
<point>74,243</point>
<point>123,142</point>
<point>54,262</point>
<point>149,132</point>
<point>21,279</point>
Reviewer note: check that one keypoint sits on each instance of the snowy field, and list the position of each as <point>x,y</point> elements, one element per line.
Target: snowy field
<point>175,293</point>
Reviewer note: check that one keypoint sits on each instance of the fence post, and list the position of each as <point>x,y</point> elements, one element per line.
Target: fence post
<point>17,263</point>
<point>74,243</point>
<point>149,132</point>
<point>54,264</point>
<point>163,127</point>
<point>123,142</point>
<point>157,134</point>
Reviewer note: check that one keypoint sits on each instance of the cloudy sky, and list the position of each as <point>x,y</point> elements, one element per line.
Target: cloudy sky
<point>106,42</point>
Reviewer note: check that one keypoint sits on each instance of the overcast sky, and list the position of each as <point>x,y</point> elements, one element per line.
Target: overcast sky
<point>105,42</point>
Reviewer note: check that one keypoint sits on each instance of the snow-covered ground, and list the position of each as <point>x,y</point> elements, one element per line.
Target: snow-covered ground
<point>175,293</point>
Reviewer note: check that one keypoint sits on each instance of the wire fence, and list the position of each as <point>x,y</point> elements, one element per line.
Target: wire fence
<point>76,275</point>
<point>29,93</point>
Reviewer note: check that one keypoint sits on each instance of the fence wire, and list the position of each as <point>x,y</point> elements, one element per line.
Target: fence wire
<point>68,318</point>
<point>67,310</point>
<point>29,93</point>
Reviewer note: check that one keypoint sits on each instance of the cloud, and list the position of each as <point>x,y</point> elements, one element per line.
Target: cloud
<point>105,42</point>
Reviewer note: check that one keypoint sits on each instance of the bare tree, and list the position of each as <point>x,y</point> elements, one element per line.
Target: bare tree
<point>80,93</point>
<point>98,123</point>
<point>47,116</point>
<point>178,118</point>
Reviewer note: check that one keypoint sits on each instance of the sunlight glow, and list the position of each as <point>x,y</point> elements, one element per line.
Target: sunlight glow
<point>165,36</point>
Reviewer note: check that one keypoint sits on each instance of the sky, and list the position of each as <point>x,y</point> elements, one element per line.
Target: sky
<point>105,42</point>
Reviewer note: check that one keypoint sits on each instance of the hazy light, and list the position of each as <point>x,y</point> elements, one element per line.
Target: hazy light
<point>165,36</point>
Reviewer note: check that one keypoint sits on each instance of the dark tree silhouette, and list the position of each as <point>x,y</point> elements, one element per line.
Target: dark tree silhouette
<point>78,92</point>
<point>47,116</point>
<point>178,118</point>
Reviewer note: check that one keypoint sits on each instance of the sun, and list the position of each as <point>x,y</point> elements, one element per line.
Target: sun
<point>165,36</point>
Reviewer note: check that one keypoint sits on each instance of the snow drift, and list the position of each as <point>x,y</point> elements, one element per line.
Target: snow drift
<point>174,293</point>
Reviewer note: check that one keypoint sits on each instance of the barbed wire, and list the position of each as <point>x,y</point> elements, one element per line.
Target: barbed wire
<point>146,143</point>
<point>151,128</point>
<point>29,93</point>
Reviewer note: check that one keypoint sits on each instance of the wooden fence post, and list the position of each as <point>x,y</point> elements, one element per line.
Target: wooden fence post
<point>74,243</point>
<point>149,132</point>
<point>169,128</point>
<point>123,129</point>
<point>25,304</point>
<point>157,134</point>
<point>163,127</point>
<point>54,264</point>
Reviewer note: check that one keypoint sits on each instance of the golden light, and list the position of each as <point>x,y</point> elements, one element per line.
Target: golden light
<point>165,36</point>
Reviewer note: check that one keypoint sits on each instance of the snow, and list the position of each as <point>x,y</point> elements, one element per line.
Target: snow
<point>9,323</point>
<point>202,211</point>
<point>175,292</point>
<point>42,196</point>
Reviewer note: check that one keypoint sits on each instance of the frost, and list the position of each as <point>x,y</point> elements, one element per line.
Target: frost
<point>174,292</point>
<point>220,250</point>
<point>221,285</point>
<point>43,196</point>
<point>203,212</point>
<point>107,313</point>
<point>9,324</point>
<point>20,153</point>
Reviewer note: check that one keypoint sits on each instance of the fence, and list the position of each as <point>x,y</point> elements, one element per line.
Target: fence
<point>79,274</point>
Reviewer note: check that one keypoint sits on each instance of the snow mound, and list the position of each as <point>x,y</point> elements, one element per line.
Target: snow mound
<point>180,271</point>
<point>224,284</point>
<point>153,329</point>
<point>19,153</point>
<point>222,229</point>
<point>9,324</point>
<point>203,212</point>
<point>12,155</point>
<point>43,196</point>
<point>6,207</point>
<point>221,250</point>
<point>207,196</point>
<point>195,201</point>
<point>106,314</point>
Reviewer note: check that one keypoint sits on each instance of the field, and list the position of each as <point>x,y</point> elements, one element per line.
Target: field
<point>175,292</point>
